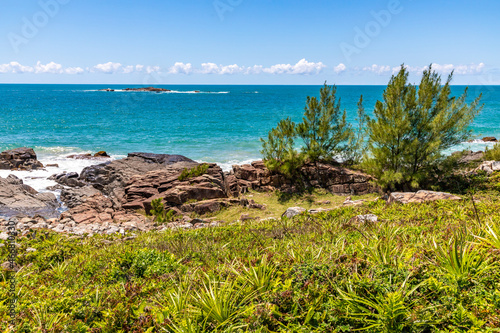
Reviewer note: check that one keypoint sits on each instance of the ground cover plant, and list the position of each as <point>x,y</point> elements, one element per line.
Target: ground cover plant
<point>430,267</point>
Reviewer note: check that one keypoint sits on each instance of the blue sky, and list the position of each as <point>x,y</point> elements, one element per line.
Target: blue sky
<point>246,41</point>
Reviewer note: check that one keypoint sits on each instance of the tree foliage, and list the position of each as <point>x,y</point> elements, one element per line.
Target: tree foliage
<point>324,132</point>
<point>412,127</point>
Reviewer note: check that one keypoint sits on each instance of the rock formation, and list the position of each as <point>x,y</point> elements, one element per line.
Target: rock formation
<point>19,159</point>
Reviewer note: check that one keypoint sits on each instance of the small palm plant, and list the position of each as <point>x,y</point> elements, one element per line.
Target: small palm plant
<point>387,311</point>
<point>460,261</point>
<point>491,236</point>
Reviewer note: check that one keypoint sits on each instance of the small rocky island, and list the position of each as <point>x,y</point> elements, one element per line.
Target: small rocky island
<point>146,89</point>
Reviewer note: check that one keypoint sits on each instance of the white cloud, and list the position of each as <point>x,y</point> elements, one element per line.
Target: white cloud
<point>303,67</point>
<point>128,69</point>
<point>153,69</point>
<point>378,69</point>
<point>181,68</point>
<point>15,67</point>
<point>51,68</point>
<point>339,68</point>
<point>211,68</point>
<point>107,68</point>
<point>442,69</point>
<point>74,70</point>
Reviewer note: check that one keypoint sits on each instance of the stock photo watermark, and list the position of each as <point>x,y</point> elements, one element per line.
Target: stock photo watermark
<point>30,27</point>
<point>363,36</point>
<point>224,6</point>
<point>12,268</point>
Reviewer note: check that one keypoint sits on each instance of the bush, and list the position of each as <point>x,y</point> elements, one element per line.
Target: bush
<point>159,212</point>
<point>492,154</point>
<point>412,126</point>
<point>324,131</point>
<point>198,170</point>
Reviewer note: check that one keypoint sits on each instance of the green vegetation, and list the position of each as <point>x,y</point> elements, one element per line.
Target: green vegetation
<point>492,154</point>
<point>324,131</point>
<point>412,127</point>
<point>198,170</point>
<point>421,268</point>
<point>160,215</point>
<point>402,146</point>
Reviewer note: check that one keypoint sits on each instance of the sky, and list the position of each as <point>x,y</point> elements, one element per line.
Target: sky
<point>247,41</point>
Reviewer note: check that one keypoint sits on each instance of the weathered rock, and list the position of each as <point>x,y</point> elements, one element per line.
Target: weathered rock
<point>146,89</point>
<point>99,156</point>
<point>73,197</point>
<point>370,218</point>
<point>420,196</point>
<point>293,211</point>
<point>14,180</point>
<point>489,166</point>
<point>19,159</point>
<point>336,179</point>
<point>23,199</point>
<point>112,177</point>
<point>6,266</point>
<point>489,139</point>
<point>101,153</point>
<point>470,156</point>
<point>68,179</point>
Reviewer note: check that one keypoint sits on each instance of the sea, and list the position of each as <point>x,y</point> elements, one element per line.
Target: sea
<point>207,123</point>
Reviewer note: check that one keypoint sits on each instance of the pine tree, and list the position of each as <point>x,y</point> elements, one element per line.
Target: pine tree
<point>278,151</point>
<point>324,128</point>
<point>412,126</point>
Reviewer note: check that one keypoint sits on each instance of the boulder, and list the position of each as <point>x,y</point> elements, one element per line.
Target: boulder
<point>368,218</point>
<point>336,179</point>
<point>73,197</point>
<point>68,179</point>
<point>21,199</point>
<point>293,211</point>
<point>19,159</point>
<point>112,177</point>
<point>420,196</point>
<point>489,166</point>
<point>470,156</point>
<point>489,139</point>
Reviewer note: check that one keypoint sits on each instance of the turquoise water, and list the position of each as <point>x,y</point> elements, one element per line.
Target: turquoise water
<point>220,124</point>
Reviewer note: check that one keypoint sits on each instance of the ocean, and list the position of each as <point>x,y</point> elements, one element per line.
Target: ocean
<point>219,123</point>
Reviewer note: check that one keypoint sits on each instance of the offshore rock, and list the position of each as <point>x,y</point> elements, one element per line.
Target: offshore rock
<point>19,159</point>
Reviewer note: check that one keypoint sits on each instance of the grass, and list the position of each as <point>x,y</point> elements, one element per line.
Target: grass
<point>430,267</point>
<point>196,171</point>
<point>276,203</point>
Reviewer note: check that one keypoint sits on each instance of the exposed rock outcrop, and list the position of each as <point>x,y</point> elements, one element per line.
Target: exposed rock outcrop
<point>420,196</point>
<point>20,199</point>
<point>19,159</point>
<point>336,179</point>
<point>489,166</point>
<point>489,139</point>
<point>112,177</point>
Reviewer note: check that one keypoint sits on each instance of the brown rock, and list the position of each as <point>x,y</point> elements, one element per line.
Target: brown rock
<point>489,139</point>
<point>420,196</point>
<point>101,153</point>
<point>19,159</point>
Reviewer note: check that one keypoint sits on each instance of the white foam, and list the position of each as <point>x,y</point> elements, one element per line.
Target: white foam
<point>228,166</point>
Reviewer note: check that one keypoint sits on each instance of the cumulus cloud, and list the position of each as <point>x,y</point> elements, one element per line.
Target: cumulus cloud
<point>107,68</point>
<point>51,68</point>
<point>15,67</point>
<point>211,68</point>
<point>303,67</point>
<point>74,70</point>
<point>440,68</point>
<point>181,68</point>
<point>339,68</point>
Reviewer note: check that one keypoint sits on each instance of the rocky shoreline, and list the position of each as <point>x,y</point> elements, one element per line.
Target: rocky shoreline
<point>115,195</point>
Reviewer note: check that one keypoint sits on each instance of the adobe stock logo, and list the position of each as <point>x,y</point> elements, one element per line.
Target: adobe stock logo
<point>223,6</point>
<point>31,27</point>
<point>363,37</point>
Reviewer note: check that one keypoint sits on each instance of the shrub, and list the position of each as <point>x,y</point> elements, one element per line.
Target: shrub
<point>411,128</point>
<point>492,154</point>
<point>198,170</point>
<point>159,212</point>
<point>324,131</point>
